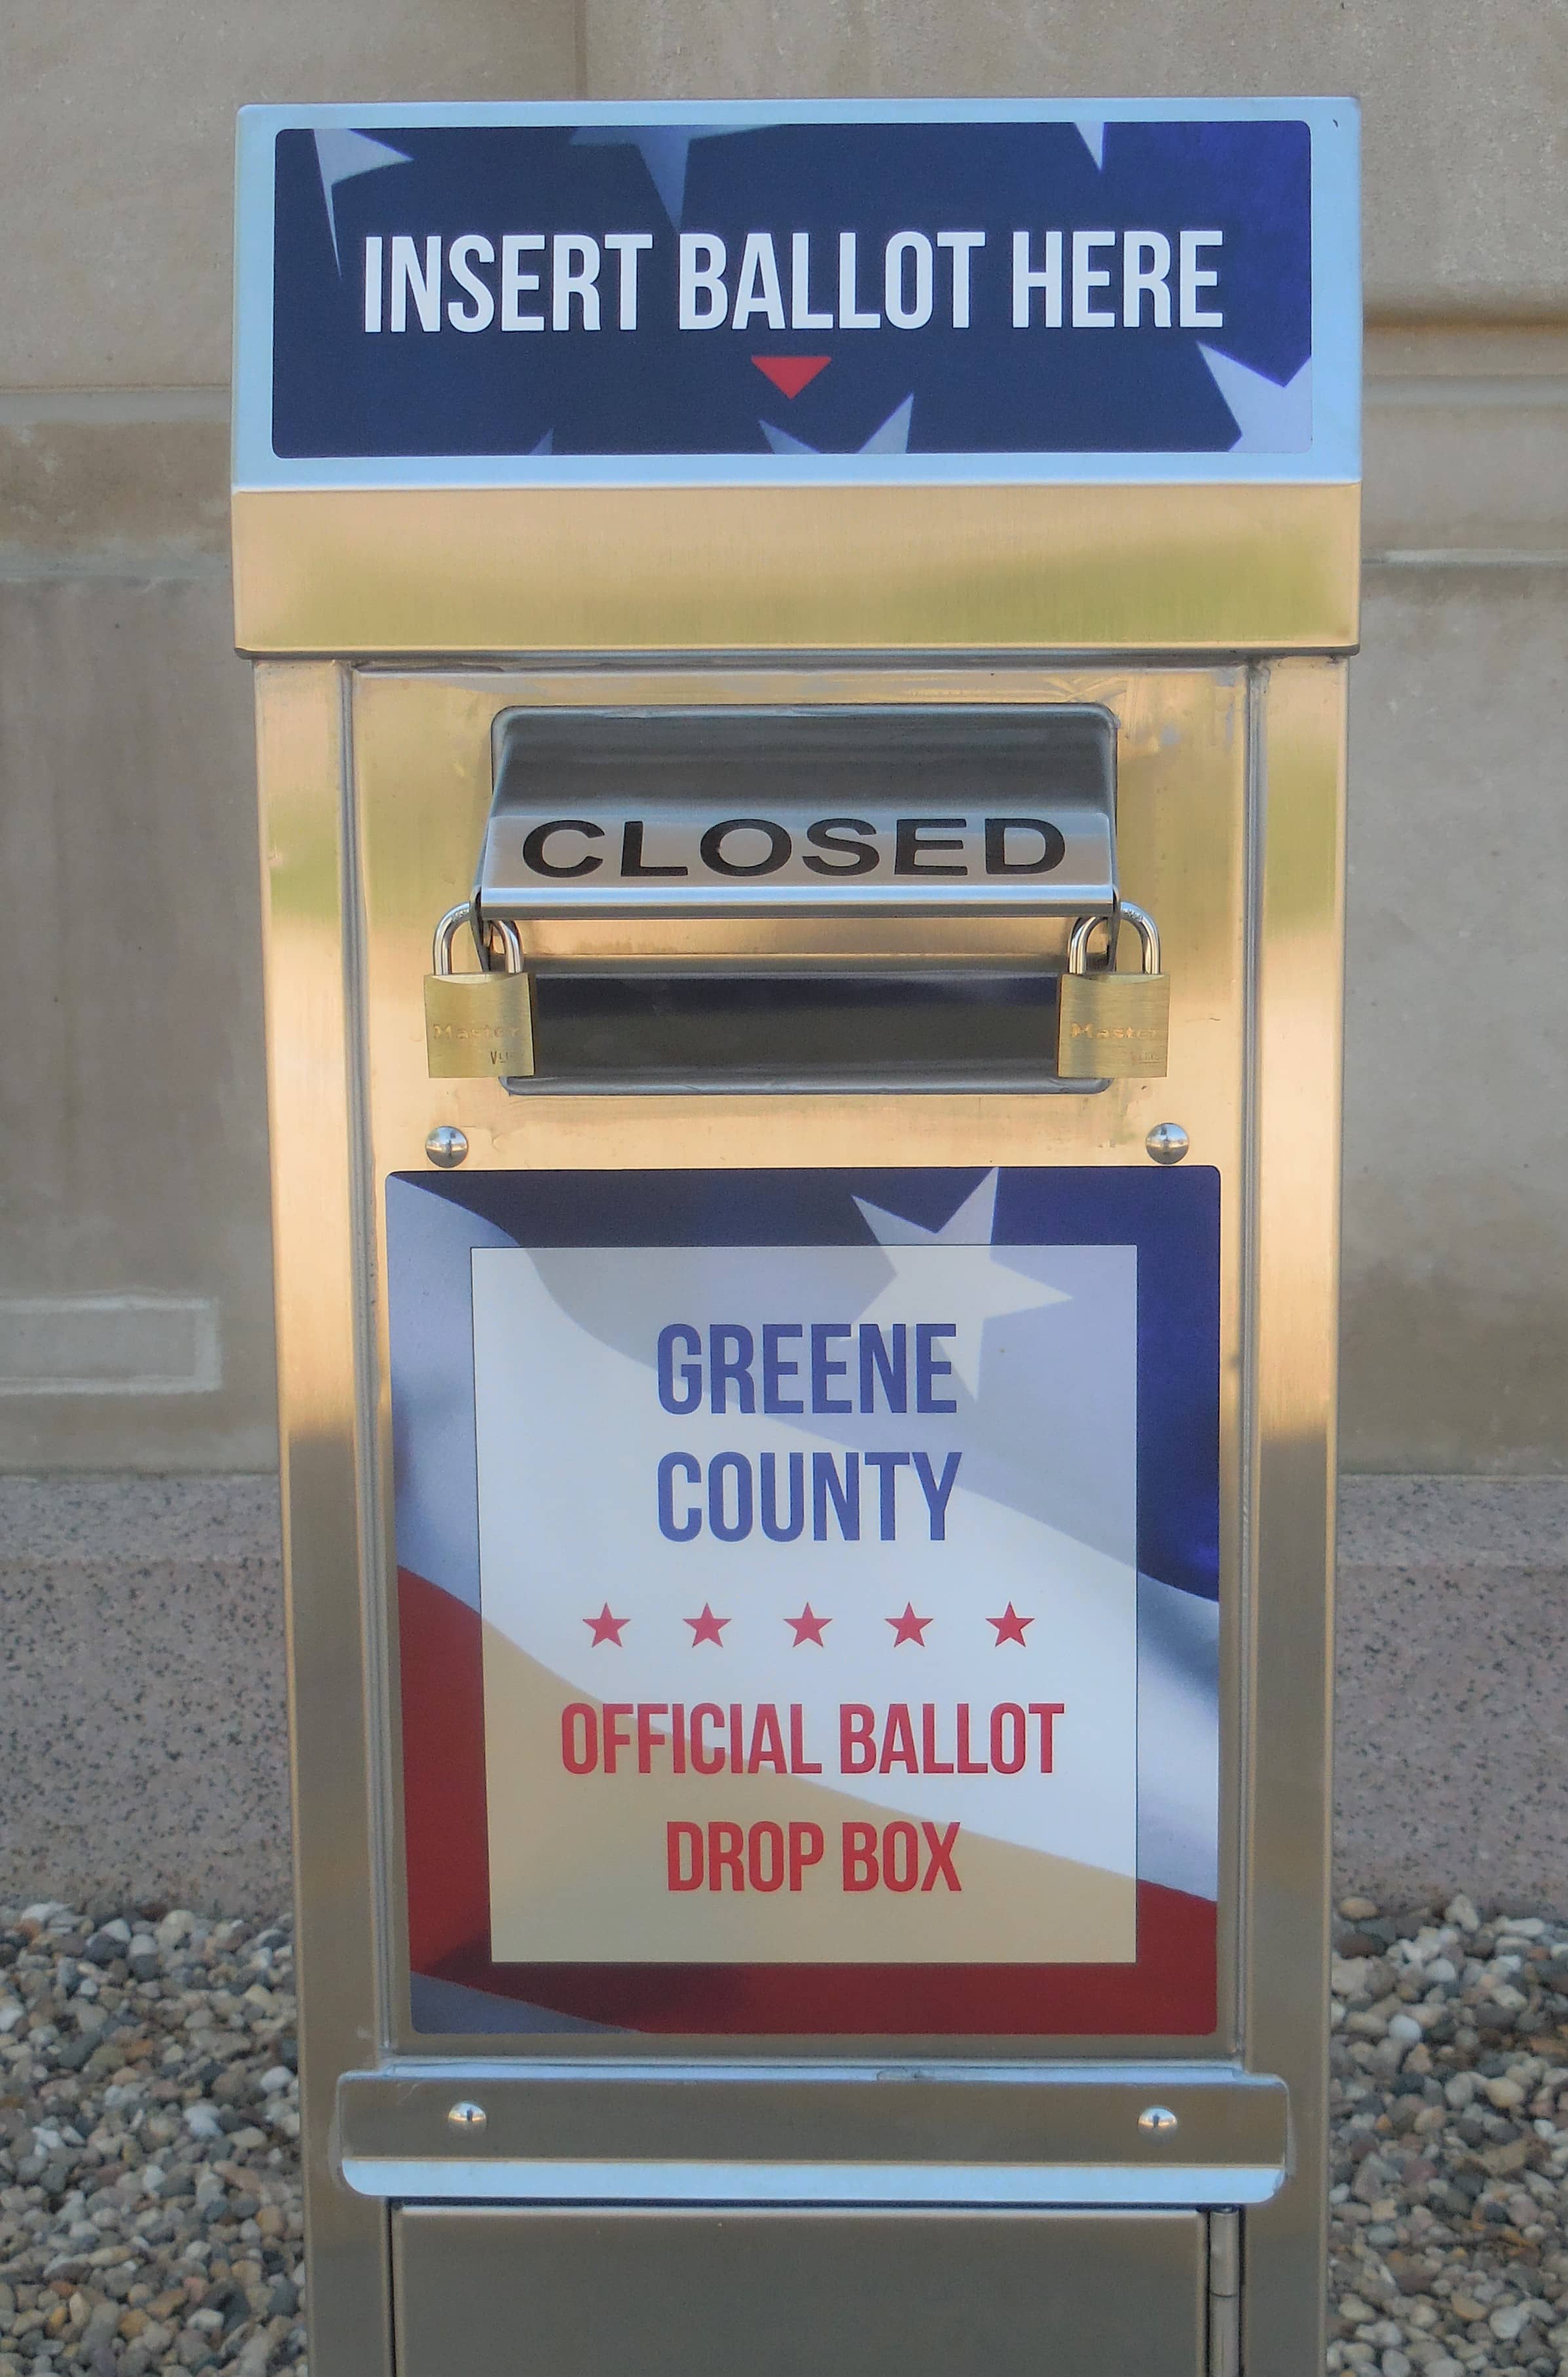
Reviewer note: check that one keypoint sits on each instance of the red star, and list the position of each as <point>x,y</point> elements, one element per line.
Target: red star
<point>1009,1626</point>
<point>809,1628</point>
<point>707,1629</point>
<point>605,1629</point>
<point>909,1629</point>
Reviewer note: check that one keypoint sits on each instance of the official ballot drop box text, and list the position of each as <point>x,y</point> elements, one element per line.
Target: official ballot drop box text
<point>800,693</point>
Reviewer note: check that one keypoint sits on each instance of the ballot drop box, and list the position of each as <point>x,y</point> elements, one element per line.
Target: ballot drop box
<point>800,665</point>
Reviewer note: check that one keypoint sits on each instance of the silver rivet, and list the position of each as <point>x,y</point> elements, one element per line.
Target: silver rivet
<point>446,1145</point>
<point>1167,1142</point>
<point>1158,2119</point>
<point>467,2116</point>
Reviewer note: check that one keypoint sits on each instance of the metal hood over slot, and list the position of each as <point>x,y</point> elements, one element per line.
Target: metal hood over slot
<point>943,811</point>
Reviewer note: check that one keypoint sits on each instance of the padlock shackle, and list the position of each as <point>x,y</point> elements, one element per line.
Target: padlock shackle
<point>1143,925</point>
<point>464,913</point>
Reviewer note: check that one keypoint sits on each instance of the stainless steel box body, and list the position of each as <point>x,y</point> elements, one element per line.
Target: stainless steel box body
<point>940,2199</point>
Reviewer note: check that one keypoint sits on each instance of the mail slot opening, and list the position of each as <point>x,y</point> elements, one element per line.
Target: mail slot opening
<point>865,893</point>
<point>761,1023</point>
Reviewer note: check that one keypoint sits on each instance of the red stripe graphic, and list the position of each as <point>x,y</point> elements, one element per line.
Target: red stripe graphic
<point>1168,1993</point>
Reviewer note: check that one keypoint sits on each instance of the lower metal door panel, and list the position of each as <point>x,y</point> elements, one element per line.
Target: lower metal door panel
<point>714,2293</point>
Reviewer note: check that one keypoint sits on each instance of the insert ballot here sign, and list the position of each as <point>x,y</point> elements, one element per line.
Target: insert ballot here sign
<point>808,1581</point>
<point>739,282</point>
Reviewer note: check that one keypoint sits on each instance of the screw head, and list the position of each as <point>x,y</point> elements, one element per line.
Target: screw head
<point>467,2116</point>
<point>446,1145</point>
<point>1159,2120</point>
<point>1167,1142</point>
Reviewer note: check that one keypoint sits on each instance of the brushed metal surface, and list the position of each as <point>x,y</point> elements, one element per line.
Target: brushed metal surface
<point>914,2186</point>
<point>780,2294</point>
<point>706,569</point>
<point>1225,2294</point>
<point>1300,894</point>
<point>1012,2130</point>
<point>1180,848</point>
<point>938,1079</point>
<point>1248,901</point>
<point>302,766</point>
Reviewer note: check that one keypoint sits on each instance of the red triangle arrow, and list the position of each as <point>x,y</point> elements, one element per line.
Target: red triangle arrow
<point>790,373</point>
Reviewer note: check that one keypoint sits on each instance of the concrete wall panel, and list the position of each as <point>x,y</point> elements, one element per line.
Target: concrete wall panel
<point>103,483</point>
<point>116,126</point>
<point>1466,445</point>
<point>132,1097</point>
<point>1455,1316</point>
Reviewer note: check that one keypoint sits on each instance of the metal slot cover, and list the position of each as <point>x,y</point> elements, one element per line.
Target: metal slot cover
<point>849,2294</point>
<point>881,810</point>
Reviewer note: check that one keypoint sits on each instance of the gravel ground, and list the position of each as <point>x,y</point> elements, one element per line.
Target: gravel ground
<point>149,2213</point>
<point>1449,2235</point>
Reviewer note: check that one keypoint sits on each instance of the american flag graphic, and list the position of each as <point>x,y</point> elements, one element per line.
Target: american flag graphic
<point>808,1587</point>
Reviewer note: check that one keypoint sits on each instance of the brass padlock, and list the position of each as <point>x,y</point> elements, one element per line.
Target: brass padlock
<point>478,1026</point>
<point>1108,1024</point>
